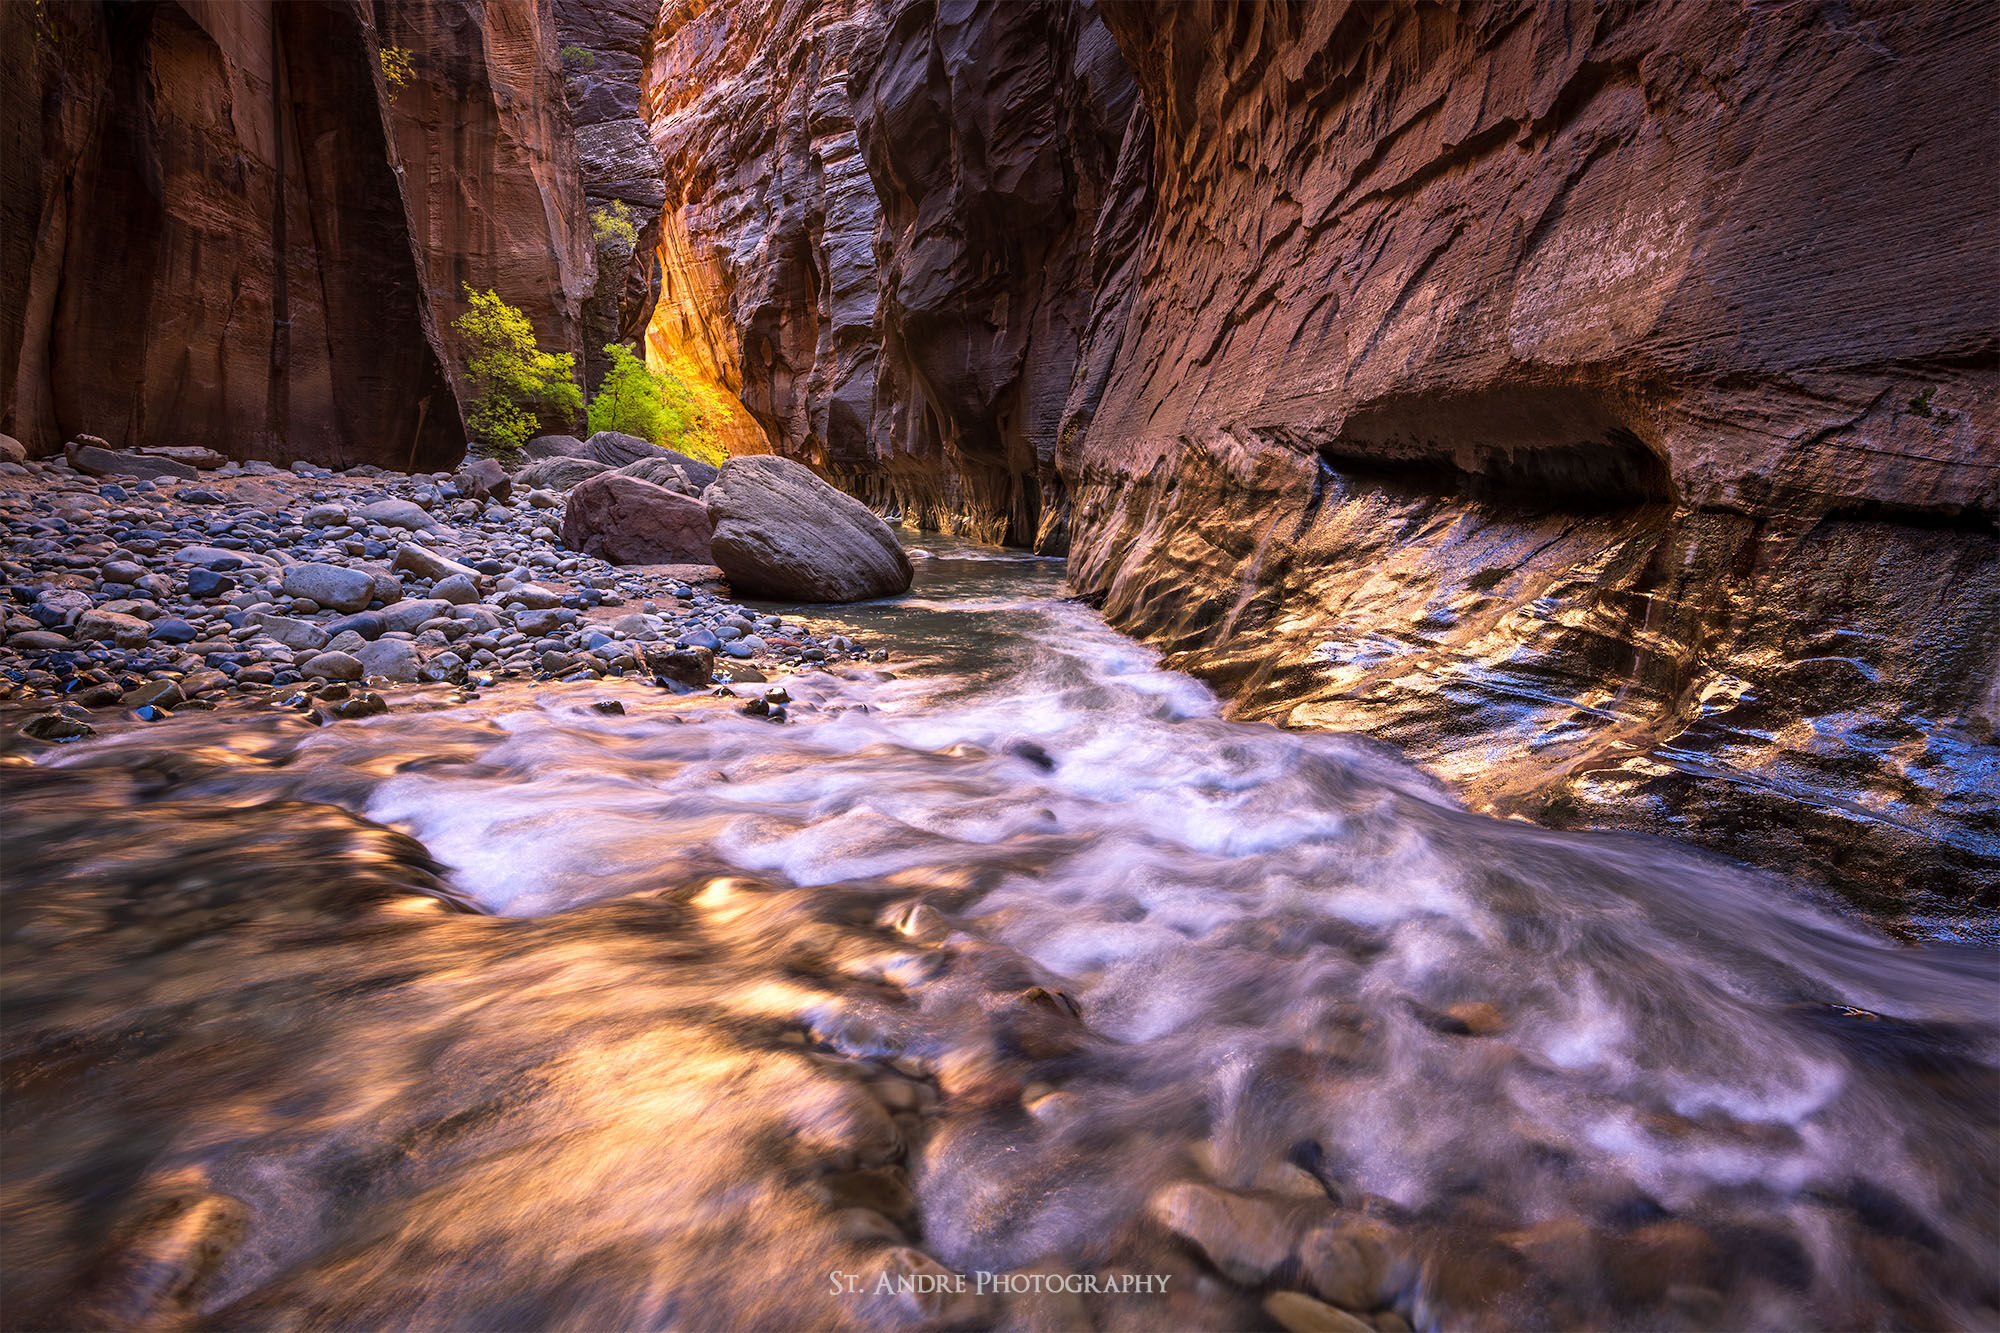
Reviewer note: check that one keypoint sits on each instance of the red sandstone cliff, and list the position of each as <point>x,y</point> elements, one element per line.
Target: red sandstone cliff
<point>223,227</point>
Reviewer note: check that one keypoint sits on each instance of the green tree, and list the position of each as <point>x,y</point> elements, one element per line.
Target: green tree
<point>513,383</point>
<point>655,406</point>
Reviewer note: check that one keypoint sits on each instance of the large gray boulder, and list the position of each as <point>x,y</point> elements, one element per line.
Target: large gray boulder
<point>616,449</point>
<point>555,446</point>
<point>558,474</point>
<point>336,586</point>
<point>782,533</point>
<point>659,467</point>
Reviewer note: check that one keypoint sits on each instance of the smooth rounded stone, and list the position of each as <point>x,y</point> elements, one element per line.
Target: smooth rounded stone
<point>324,516</point>
<point>739,648</point>
<point>345,642</point>
<point>212,557</point>
<point>406,514</point>
<point>207,583</point>
<point>60,606</point>
<point>546,499</point>
<point>298,635</point>
<point>367,624</point>
<point>483,479</point>
<point>126,631</point>
<point>156,694</point>
<point>746,675</point>
<point>12,450</point>
<point>558,473</point>
<point>408,615</point>
<point>200,682</point>
<point>122,571</point>
<point>391,659</point>
<point>459,590</point>
<point>428,564</point>
<point>533,596</point>
<point>1247,1239</point>
<point>56,727</point>
<point>38,641</point>
<point>332,666</point>
<point>1303,1314</point>
<point>615,448</point>
<point>544,621</point>
<point>553,446</point>
<point>727,632</point>
<point>173,630</point>
<point>637,626</point>
<point>701,638</point>
<point>334,586</point>
<point>631,522</point>
<point>781,532</point>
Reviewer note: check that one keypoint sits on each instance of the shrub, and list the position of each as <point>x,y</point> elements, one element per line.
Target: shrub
<point>395,67</point>
<point>513,383</point>
<point>576,57</point>
<point>613,223</point>
<point>653,405</point>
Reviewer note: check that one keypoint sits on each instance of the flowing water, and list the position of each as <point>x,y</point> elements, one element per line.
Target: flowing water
<point>1016,957</point>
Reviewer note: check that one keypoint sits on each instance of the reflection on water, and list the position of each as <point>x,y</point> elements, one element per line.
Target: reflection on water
<point>513,1014</point>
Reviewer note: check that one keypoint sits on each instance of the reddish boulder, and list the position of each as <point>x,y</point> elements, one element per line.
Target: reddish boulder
<point>632,522</point>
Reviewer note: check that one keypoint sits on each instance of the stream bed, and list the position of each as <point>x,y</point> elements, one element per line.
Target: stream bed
<point>1012,973</point>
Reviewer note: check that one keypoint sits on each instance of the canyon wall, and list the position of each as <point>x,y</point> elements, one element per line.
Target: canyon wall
<point>225,226</point>
<point>1588,399</point>
<point>887,217</point>
<point>1595,402</point>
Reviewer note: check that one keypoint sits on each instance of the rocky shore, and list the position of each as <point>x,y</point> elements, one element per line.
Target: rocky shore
<point>207,583</point>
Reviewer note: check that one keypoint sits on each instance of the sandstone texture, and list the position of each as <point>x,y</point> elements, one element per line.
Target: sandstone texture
<point>631,522</point>
<point>1592,409</point>
<point>886,216</point>
<point>782,533</point>
<point>224,227</point>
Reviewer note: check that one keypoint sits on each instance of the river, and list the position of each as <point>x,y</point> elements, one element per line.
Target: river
<point>1013,956</point>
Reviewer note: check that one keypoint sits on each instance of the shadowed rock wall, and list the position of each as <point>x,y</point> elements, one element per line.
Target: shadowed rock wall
<point>1590,400</point>
<point>224,227</point>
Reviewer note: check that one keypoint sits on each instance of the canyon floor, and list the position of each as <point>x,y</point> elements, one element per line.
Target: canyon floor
<point>1007,983</point>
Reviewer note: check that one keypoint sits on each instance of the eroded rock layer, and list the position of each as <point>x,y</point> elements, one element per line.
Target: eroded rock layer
<point>1589,403</point>
<point>889,209</point>
<point>249,225</point>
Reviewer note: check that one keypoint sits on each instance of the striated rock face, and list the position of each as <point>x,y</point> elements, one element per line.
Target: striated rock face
<point>489,162</point>
<point>206,238</point>
<point>1593,409</point>
<point>604,44</point>
<point>225,227</point>
<point>881,233</point>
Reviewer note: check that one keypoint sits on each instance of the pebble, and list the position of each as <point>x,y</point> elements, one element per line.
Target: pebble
<point>266,577</point>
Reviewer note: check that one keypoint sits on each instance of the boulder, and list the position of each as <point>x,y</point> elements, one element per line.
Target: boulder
<point>97,461</point>
<point>632,522</point>
<point>484,479</point>
<point>695,474</point>
<point>782,533</point>
<point>334,586</point>
<point>558,473</point>
<point>406,616</point>
<point>681,669</point>
<point>616,449</point>
<point>554,446</point>
<point>12,450</point>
